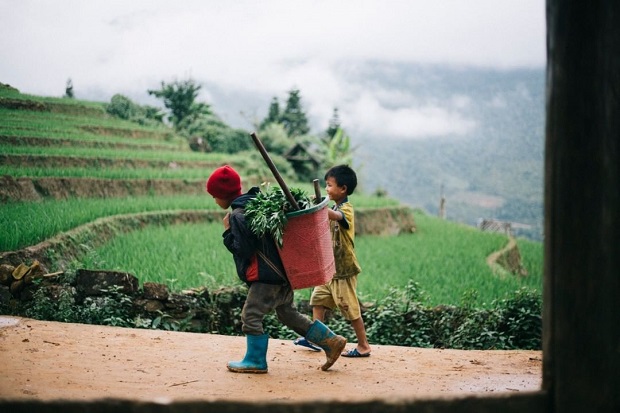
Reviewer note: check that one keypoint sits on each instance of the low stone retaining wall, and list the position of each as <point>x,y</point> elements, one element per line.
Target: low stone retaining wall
<point>94,292</point>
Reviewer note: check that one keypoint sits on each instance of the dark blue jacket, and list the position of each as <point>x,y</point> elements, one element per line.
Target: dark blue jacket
<point>244,246</point>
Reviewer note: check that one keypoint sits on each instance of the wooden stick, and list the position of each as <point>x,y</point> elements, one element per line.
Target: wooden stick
<point>274,171</point>
<point>317,192</point>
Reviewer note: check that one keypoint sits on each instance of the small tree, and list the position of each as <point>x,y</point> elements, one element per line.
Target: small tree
<point>122,107</point>
<point>274,114</point>
<point>179,98</point>
<point>293,118</point>
<point>336,144</point>
<point>275,139</point>
<point>69,89</point>
<point>338,150</point>
<point>334,124</point>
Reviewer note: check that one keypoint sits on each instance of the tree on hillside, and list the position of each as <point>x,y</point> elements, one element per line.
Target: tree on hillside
<point>69,89</point>
<point>334,124</point>
<point>338,150</point>
<point>331,148</point>
<point>293,118</point>
<point>180,99</point>
<point>121,107</point>
<point>336,144</point>
<point>275,139</point>
<point>274,114</point>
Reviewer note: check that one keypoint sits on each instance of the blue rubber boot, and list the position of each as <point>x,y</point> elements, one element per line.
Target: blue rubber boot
<point>255,360</point>
<point>331,343</point>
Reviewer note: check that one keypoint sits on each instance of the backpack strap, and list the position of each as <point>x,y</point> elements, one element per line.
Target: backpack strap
<point>266,259</point>
<point>271,265</point>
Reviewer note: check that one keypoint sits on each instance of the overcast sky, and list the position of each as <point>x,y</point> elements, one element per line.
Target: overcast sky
<point>264,48</point>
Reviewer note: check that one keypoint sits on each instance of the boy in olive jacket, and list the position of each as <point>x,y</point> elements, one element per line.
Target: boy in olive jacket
<point>341,291</point>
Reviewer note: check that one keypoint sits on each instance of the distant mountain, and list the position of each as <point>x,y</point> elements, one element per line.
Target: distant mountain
<point>491,166</point>
<point>495,170</point>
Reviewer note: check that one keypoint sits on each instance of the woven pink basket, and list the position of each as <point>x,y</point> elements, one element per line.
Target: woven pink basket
<point>306,251</point>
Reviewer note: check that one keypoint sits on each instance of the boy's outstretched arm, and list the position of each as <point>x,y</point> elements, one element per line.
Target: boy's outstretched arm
<point>335,215</point>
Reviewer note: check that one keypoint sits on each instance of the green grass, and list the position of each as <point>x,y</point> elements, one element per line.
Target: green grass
<point>43,124</point>
<point>79,136</point>
<point>532,257</point>
<point>108,173</point>
<point>149,155</point>
<point>15,94</point>
<point>28,223</point>
<point>447,260</point>
<point>33,120</point>
<point>180,256</point>
<point>43,120</point>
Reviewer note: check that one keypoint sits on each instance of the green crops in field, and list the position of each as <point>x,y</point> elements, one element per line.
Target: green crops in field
<point>28,223</point>
<point>180,256</point>
<point>15,94</point>
<point>112,173</point>
<point>80,128</point>
<point>448,261</point>
<point>84,136</point>
<point>150,155</point>
<point>52,120</point>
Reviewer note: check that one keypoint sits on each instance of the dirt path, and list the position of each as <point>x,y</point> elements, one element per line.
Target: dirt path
<point>47,361</point>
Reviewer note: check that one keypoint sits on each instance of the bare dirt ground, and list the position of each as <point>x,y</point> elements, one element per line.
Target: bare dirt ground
<point>47,361</point>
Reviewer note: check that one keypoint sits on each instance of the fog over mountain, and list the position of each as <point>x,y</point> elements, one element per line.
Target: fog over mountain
<point>475,136</point>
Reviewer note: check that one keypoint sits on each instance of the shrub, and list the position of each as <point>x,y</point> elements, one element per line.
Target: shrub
<point>54,304</point>
<point>113,308</point>
<point>401,319</point>
<point>522,319</point>
<point>122,107</point>
<point>227,140</point>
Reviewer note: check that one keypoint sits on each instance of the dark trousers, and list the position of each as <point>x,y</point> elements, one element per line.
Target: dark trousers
<point>264,298</point>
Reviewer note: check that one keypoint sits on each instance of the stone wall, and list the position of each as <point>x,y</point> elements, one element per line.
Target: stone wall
<point>153,304</point>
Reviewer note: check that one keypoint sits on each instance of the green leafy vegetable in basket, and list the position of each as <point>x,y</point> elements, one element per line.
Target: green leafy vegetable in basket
<point>266,214</point>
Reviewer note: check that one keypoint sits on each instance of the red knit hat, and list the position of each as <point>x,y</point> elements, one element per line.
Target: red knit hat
<point>224,183</point>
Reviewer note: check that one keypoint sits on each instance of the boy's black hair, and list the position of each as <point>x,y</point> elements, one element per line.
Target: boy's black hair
<point>344,176</point>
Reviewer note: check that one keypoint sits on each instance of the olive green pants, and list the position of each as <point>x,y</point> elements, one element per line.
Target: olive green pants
<point>264,298</point>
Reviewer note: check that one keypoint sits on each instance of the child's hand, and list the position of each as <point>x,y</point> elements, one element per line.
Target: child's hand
<point>226,221</point>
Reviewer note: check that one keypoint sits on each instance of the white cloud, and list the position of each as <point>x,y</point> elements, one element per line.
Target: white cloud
<point>369,118</point>
<point>266,48</point>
